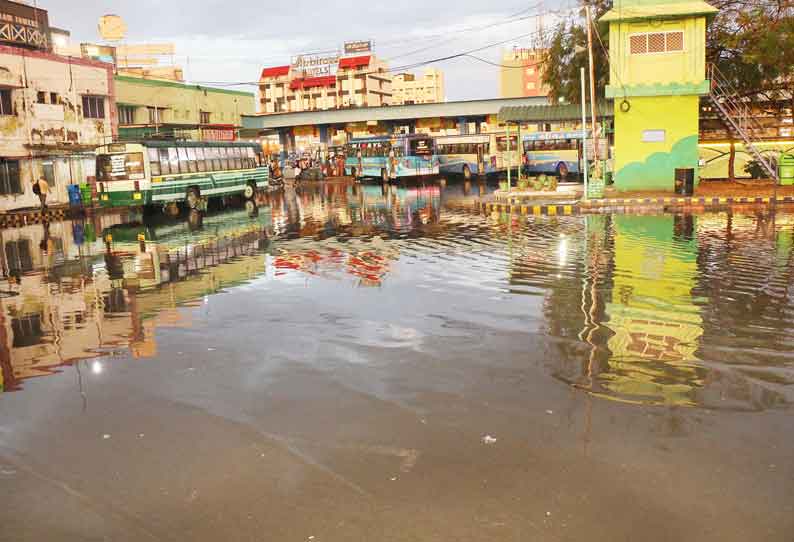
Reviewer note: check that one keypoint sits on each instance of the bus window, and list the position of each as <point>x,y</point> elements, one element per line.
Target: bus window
<point>200,160</point>
<point>173,159</point>
<point>165,165</point>
<point>224,158</point>
<point>191,159</point>
<point>501,143</point>
<point>183,160</point>
<point>236,155</point>
<point>154,161</point>
<point>216,158</point>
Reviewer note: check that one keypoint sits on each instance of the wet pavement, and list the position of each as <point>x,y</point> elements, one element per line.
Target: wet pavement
<point>380,363</point>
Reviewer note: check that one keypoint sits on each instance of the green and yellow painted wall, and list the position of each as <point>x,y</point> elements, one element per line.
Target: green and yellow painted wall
<point>656,91</point>
<point>715,157</point>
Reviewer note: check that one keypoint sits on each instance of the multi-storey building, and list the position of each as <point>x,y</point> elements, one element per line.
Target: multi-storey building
<point>54,111</point>
<point>360,81</point>
<point>165,108</point>
<point>521,74</point>
<point>408,88</point>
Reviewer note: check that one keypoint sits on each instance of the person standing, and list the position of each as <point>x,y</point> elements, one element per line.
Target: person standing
<point>41,188</point>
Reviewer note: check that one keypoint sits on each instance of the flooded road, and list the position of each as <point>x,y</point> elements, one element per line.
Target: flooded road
<point>386,363</point>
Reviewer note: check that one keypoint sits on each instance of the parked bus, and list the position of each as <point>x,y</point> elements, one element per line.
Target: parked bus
<point>557,153</point>
<point>477,154</point>
<point>391,158</point>
<point>165,173</point>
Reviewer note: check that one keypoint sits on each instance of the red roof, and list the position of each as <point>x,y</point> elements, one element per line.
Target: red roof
<point>278,71</point>
<point>354,62</point>
<point>311,82</point>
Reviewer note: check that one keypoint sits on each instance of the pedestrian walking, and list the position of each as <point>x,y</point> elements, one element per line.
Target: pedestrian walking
<point>41,188</point>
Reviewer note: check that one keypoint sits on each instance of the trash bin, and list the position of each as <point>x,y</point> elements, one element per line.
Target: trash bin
<point>85,191</point>
<point>75,198</point>
<point>685,181</point>
<point>785,169</point>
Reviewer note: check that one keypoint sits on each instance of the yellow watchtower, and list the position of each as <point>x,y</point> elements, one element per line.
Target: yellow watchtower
<point>657,52</point>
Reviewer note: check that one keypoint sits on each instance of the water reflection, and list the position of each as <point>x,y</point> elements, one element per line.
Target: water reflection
<point>691,310</point>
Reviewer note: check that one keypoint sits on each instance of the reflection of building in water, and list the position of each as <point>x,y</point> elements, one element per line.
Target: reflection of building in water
<point>655,323</point>
<point>369,263</point>
<point>56,314</point>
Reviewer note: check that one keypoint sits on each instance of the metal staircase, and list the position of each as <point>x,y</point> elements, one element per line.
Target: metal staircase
<point>737,115</point>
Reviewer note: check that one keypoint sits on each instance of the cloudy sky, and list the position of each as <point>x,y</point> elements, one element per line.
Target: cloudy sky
<point>232,40</point>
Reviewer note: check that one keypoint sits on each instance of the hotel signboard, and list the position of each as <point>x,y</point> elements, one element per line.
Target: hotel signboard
<point>23,25</point>
<point>357,47</point>
<point>314,65</point>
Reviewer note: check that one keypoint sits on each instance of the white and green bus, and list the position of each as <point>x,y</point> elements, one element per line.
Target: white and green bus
<point>165,173</point>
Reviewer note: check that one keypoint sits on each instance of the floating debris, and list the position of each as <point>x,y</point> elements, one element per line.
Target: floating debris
<point>488,439</point>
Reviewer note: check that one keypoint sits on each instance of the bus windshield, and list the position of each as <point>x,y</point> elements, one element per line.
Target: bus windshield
<point>120,167</point>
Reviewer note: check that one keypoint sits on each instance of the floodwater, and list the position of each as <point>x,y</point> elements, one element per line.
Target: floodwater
<point>387,363</point>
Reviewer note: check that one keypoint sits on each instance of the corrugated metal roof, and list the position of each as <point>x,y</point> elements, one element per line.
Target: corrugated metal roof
<point>454,110</point>
<point>551,113</point>
<point>659,10</point>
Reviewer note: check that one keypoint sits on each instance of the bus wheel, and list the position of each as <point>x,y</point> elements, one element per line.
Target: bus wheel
<point>250,191</point>
<point>193,197</point>
<point>467,173</point>
<point>384,175</point>
<point>562,170</point>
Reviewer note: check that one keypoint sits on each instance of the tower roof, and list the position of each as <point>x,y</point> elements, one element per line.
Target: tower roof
<point>635,10</point>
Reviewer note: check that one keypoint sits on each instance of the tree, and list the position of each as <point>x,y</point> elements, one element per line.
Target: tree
<point>567,53</point>
<point>750,41</point>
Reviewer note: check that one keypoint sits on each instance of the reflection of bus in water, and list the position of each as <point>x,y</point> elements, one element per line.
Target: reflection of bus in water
<point>164,251</point>
<point>390,158</point>
<point>477,154</point>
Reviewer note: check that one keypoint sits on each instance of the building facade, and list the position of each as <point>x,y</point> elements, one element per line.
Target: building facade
<point>408,88</point>
<point>164,108</point>
<point>54,111</point>
<point>657,79</point>
<point>521,74</point>
<point>359,81</point>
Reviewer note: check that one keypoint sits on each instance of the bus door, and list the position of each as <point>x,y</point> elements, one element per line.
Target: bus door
<point>481,158</point>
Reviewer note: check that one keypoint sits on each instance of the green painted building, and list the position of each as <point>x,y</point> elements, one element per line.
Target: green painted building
<point>156,107</point>
<point>658,74</point>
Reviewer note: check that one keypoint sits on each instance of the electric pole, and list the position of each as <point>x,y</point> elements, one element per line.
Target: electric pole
<point>592,83</point>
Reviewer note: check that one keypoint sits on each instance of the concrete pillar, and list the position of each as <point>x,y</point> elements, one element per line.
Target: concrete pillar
<point>324,137</point>
<point>463,126</point>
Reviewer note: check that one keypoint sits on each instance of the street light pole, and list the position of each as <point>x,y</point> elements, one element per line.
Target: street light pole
<point>592,82</point>
<point>584,134</point>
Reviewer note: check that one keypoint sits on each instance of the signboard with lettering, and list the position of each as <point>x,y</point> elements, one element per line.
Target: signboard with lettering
<point>24,25</point>
<point>315,65</point>
<point>219,133</point>
<point>355,47</point>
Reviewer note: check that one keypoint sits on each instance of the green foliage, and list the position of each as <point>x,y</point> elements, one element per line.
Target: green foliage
<point>567,54</point>
<point>750,41</point>
<point>755,170</point>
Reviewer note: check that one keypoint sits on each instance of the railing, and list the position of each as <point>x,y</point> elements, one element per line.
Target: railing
<point>738,114</point>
